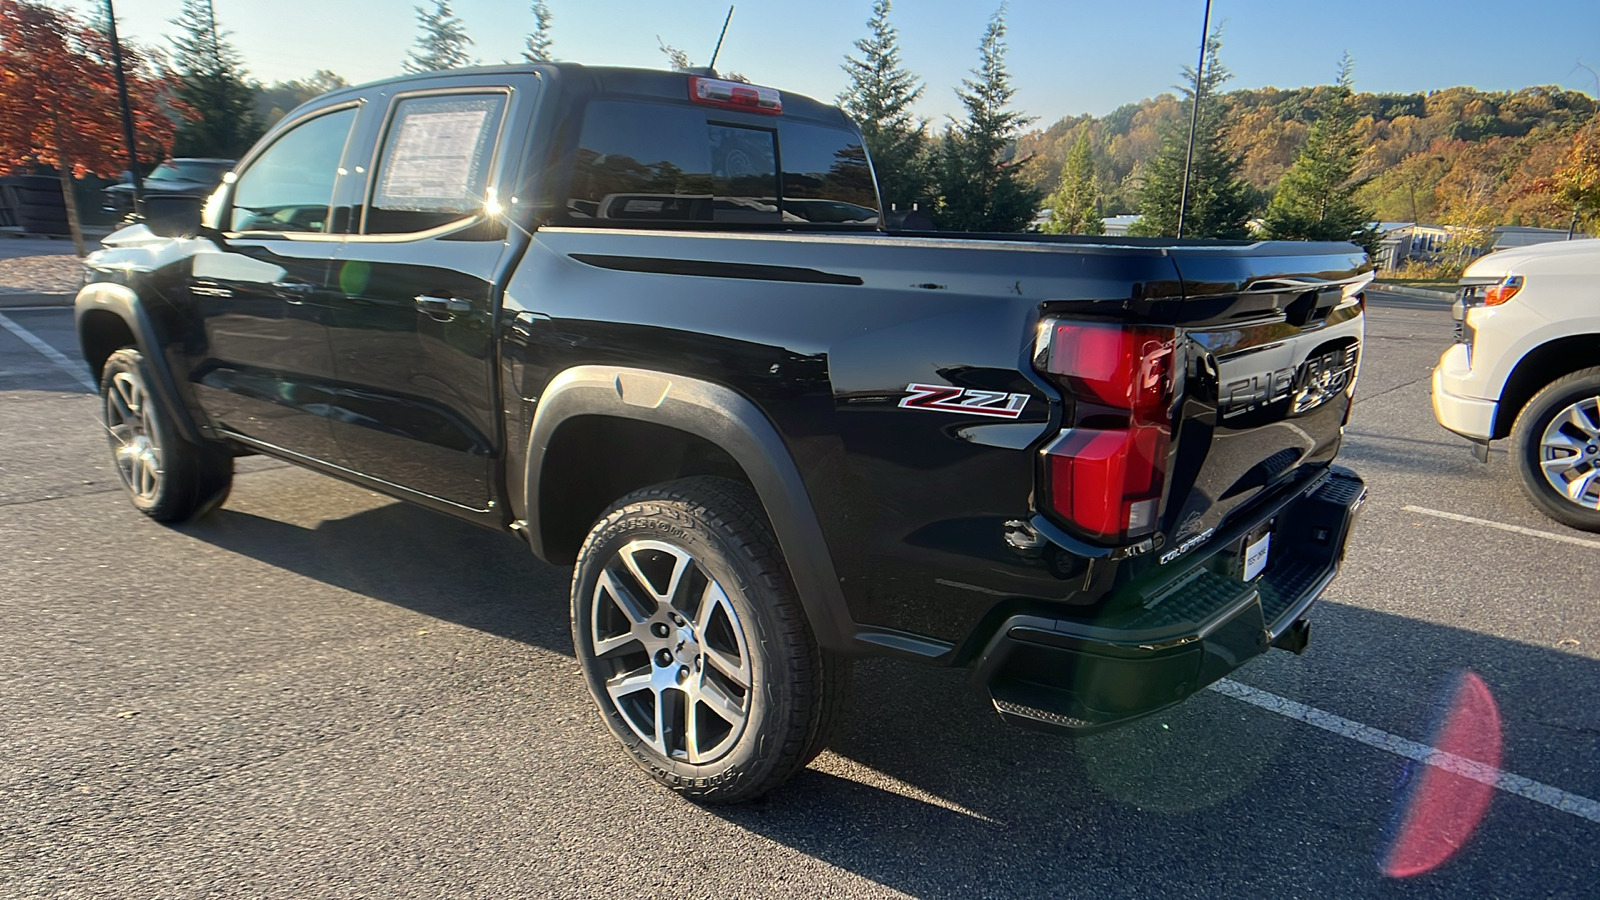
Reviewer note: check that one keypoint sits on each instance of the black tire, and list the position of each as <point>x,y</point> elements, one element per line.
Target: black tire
<point>1558,398</point>
<point>690,543</point>
<point>168,478</point>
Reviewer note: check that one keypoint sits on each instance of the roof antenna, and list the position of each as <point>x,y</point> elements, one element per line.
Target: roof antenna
<point>713,63</point>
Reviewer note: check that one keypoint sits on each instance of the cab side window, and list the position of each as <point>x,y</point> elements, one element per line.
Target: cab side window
<point>435,167</point>
<point>289,188</point>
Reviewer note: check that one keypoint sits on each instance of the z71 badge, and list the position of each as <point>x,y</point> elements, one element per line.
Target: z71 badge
<point>943,398</point>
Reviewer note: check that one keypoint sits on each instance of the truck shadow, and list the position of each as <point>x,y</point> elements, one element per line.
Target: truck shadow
<point>416,559</point>
<point>925,791</point>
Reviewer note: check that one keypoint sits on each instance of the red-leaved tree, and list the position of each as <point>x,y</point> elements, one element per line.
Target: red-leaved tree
<point>58,100</point>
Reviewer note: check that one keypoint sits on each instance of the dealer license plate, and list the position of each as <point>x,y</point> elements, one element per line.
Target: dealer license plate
<point>1255,556</point>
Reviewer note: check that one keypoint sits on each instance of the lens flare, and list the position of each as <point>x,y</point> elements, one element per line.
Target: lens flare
<point>1450,794</point>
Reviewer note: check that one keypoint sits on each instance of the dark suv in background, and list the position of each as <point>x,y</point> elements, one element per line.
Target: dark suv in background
<point>175,177</point>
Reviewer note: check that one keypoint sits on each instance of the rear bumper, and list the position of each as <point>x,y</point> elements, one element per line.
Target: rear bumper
<point>1066,675</point>
<point>1455,409</point>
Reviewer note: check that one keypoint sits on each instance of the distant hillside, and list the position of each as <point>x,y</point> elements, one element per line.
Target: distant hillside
<point>1430,154</point>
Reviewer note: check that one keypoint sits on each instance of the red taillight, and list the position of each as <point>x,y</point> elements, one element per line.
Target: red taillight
<point>1106,472</point>
<point>735,95</point>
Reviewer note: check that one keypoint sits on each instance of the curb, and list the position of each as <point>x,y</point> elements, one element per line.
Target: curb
<point>10,300</point>
<point>1424,293</point>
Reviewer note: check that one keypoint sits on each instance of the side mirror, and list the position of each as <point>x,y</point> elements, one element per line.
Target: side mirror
<point>170,215</point>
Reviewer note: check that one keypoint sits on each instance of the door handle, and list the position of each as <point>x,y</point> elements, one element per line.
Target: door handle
<point>442,308</point>
<point>294,291</point>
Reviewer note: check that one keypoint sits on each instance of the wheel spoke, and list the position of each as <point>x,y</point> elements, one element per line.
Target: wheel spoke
<point>128,398</point>
<point>660,742</point>
<point>1559,465</point>
<point>735,667</point>
<point>135,471</point>
<point>735,670</point>
<point>604,647</point>
<point>1577,415</point>
<point>680,565</point>
<point>691,729</point>
<point>120,402</point>
<point>629,683</point>
<point>1556,439</point>
<point>1578,487</point>
<point>623,597</point>
<point>715,699</point>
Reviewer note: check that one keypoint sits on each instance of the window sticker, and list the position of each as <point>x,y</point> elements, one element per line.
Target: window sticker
<point>436,156</point>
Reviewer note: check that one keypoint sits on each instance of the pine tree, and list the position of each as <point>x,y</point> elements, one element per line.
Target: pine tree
<point>539,41</point>
<point>442,44</point>
<point>1073,207</point>
<point>1315,200</point>
<point>213,85</point>
<point>1220,203</point>
<point>981,185</point>
<point>879,98</point>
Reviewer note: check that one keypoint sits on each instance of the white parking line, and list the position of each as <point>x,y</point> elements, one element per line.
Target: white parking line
<point>1517,529</point>
<point>49,352</point>
<point>1538,792</point>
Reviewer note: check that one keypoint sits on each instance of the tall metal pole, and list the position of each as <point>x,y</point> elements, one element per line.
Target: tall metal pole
<point>1194,117</point>
<point>127,111</point>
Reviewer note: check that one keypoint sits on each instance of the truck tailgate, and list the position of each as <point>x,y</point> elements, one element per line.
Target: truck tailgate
<point>1270,365</point>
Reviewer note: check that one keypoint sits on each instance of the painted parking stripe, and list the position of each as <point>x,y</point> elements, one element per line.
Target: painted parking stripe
<point>48,352</point>
<point>1516,529</point>
<point>1538,792</point>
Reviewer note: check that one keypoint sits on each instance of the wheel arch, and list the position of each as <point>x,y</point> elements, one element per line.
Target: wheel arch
<point>109,317</point>
<point>1538,367</point>
<point>688,426</point>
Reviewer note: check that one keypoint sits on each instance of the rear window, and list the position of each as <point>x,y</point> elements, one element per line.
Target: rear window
<point>641,164</point>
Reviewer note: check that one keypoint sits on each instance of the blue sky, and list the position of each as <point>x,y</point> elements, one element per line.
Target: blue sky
<point>1066,56</point>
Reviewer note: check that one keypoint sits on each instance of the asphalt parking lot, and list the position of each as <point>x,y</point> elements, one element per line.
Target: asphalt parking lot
<point>318,691</point>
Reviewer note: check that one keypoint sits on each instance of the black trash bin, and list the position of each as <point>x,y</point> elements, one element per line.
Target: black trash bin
<point>34,202</point>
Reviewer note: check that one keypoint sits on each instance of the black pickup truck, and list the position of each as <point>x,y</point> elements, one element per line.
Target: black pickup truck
<point>650,324</point>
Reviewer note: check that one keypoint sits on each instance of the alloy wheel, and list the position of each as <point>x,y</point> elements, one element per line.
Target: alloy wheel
<point>1569,453</point>
<point>133,437</point>
<point>673,650</point>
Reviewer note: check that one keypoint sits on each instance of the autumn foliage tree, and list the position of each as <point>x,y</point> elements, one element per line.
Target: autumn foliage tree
<point>1576,184</point>
<point>58,100</point>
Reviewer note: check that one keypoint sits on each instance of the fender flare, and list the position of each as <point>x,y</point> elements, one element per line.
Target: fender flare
<point>122,302</point>
<point>728,420</point>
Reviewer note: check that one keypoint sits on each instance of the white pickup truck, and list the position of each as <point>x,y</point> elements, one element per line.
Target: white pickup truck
<point>1526,365</point>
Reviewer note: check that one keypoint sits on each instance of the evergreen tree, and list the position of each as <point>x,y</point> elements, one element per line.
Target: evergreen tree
<point>539,41</point>
<point>1316,198</point>
<point>211,82</point>
<point>879,98</point>
<point>1074,205</point>
<point>443,42</point>
<point>981,184</point>
<point>1220,202</point>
